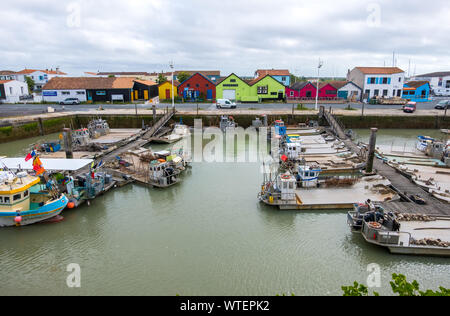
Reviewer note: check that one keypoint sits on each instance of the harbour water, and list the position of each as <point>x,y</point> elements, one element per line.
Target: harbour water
<point>207,236</point>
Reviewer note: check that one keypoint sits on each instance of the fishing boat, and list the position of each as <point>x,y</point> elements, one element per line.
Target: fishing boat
<point>308,176</point>
<point>98,128</point>
<point>22,202</point>
<point>423,142</point>
<point>227,122</point>
<point>407,234</point>
<point>162,174</point>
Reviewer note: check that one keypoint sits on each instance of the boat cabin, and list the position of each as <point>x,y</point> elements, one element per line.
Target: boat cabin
<point>80,137</point>
<point>280,128</point>
<point>287,184</point>
<point>162,174</point>
<point>308,177</point>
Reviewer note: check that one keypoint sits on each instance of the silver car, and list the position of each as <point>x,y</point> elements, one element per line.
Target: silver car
<point>70,101</point>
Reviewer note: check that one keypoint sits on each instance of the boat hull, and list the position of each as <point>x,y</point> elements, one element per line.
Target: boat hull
<point>34,216</point>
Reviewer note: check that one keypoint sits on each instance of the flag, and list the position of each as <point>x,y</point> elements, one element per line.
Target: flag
<point>30,155</point>
<point>100,164</point>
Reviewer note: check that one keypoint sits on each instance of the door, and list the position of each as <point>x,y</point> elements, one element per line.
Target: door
<point>229,94</point>
<point>89,96</point>
<point>136,95</point>
<point>145,94</point>
<point>168,96</point>
<point>343,95</point>
<point>209,94</point>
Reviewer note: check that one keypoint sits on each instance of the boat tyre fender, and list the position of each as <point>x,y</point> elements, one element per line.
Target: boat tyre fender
<point>374,225</point>
<point>285,177</point>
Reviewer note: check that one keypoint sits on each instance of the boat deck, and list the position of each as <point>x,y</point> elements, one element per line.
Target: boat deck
<point>116,135</point>
<point>439,229</point>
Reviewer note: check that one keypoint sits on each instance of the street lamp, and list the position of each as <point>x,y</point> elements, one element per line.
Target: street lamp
<point>173,95</point>
<point>317,93</point>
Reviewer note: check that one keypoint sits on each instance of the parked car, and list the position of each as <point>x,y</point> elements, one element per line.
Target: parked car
<point>225,104</point>
<point>442,105</point>
<point>410,107</point>
<point>70,101</point>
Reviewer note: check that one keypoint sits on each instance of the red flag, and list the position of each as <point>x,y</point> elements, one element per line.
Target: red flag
<point>284,158</point>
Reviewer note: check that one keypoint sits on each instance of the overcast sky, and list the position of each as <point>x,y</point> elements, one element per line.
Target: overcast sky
<point>237,36</point>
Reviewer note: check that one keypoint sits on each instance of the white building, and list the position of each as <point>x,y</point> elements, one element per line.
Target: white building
<point>40,77</point>
<point>378,81</point>
<point>439,82</point>
<point>12,90</point>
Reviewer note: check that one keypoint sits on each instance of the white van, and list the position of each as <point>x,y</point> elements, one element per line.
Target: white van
<point>441,92</point>
<point>225,104</point>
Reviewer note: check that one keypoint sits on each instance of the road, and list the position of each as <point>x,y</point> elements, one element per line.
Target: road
<point>12,110</point>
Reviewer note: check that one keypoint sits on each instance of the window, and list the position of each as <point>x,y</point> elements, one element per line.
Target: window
<point>283,78</point>
<point>330,92</point>
<point>188,85</point>
<point>197,85</point>
<point>399,93</point>
<point>207,85</point>
<point>400,79</point>
<point>371,81</point>
<point>10,90</point>
<point>273,93</point>
<point>100,92</point>
<point>17,197</point>
<point>81,92</point>
<point>25,194</point>
<point>232,80</point>
<point>385,80</point>
<point>292,93</point>
<point>65,93</point>
<point>6,199</point>
<point>1,199</point>
<point>376,92</point>
<point>21,90</point>
<point>367,92</point>
<point>385,93</point>
<point>263,90</point>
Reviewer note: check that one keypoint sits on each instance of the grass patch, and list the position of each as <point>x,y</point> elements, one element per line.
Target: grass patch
<point>7,130</point>
<point>301,107</point>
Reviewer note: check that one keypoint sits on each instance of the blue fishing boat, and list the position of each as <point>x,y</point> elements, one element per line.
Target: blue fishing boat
<point>22,202</point>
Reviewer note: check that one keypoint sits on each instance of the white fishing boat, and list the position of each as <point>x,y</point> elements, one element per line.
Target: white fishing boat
<point>423,143</point>
<point>22,202</point>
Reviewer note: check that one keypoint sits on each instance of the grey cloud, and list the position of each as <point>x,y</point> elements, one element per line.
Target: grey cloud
<point>233,36</point>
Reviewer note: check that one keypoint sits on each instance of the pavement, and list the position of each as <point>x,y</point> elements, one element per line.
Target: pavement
<point>15,113</point>
<point>15,110</point>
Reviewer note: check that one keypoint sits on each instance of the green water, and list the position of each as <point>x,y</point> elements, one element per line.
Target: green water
<point>206,236</point>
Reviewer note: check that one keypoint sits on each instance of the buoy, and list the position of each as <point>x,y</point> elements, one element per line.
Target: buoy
<point>70,205</point>
<point>18,219</point>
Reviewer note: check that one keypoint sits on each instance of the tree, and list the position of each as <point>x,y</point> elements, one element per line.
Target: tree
<point>30,82</point>
<point>161,79</point>
<point>183,76</point>
<point>399,286</point>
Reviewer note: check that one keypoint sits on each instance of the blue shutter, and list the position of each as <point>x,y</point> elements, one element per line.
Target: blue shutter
<point>376,80</point>
<point>389,80</point>
<point>368,80</point>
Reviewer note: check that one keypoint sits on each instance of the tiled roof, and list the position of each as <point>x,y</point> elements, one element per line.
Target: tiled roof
<point>49,72</point>
<point>299,85</point>
<point>273,72</point>
<point>5,81</point>
<point>146,82</point>
<point>436,74</point>
<point>416,84</point>
<point>203,72</point>
<point>71,83</point>
<point>380,70</point>
<point>6,72</point>
<point>338,84</point>
<point>123,73</point>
